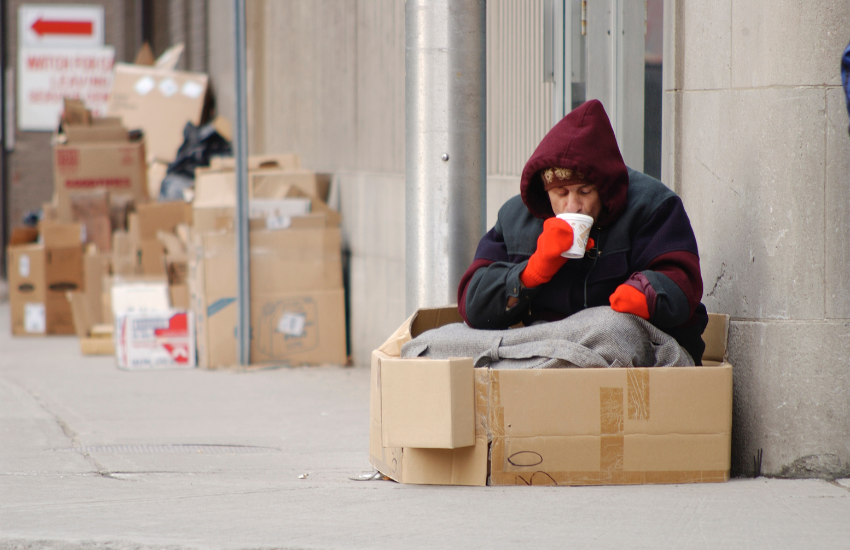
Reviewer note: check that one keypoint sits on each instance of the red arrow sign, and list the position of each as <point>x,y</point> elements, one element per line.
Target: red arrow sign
<point>77,28</point>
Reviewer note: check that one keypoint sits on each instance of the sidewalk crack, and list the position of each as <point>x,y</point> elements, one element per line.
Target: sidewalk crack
<point>69,432</point>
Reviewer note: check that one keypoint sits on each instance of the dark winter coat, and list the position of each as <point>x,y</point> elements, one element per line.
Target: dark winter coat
<point>642,238</point>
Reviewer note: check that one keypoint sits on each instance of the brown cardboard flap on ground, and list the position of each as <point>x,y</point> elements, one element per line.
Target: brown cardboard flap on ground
<point>562,426</point>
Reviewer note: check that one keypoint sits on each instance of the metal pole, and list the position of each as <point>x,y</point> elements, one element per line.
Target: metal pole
<point>243,275</point>
<point>445,145</point>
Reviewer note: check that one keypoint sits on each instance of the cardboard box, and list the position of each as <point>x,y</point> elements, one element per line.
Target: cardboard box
<point>39,277</point>
<point>215,201</point>
<point>158,101</point>
<point>155,340</point>
<point>297,300</point>
<point>27,289</point>
<point>559,426</point>
<point>118,166</point>
<point>149,333</point>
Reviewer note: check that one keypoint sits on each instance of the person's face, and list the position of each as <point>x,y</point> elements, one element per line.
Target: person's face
<point>576,198</point>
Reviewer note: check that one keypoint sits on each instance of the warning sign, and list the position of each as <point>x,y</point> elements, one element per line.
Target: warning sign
<point>47,75</point>
<point>61,54</point>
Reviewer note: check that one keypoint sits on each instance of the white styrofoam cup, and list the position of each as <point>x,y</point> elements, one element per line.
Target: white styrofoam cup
<point>581,225</point>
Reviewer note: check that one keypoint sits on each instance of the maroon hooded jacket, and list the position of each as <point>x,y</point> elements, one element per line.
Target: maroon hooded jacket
<point>643,238</point>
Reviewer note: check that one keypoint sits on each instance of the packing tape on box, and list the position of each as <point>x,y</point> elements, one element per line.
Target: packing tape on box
<point>611,444</point>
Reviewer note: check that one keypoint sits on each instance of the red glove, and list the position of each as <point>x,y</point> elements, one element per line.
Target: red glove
<point>557,237</point>
<point>628,299</point>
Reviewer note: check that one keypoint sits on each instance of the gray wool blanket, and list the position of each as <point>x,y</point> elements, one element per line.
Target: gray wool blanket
<point>595,337</point>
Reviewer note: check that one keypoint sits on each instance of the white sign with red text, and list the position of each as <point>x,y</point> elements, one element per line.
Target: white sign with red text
<point>60,26</point>
<point>47,75</point>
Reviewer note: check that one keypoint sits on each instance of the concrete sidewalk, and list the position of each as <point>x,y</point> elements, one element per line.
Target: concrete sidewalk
<point>94,457</point>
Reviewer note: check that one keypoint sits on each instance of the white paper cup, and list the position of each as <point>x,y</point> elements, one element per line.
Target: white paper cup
<point>581,225</point>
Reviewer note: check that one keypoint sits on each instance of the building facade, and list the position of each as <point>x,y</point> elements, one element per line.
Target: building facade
<point>750,130</point>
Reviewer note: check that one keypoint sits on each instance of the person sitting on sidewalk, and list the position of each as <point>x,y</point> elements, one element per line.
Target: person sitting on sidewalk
<point>641,257</point>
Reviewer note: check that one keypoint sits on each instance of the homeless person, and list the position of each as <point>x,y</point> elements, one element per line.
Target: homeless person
<point>641,256</point>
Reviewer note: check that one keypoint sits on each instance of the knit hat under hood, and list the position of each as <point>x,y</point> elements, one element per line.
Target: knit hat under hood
<point>582,141</point>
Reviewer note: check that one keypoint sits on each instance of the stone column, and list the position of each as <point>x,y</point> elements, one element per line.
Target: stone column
<point>756,144</point>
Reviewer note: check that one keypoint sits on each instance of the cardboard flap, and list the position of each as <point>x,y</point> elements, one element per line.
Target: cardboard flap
<point>170,57</point>
<point>80,313</point>
<point>427,403</point>
<point>400,337</point>
<point>102,132</point>
<point>74,112</point>
<point>62,235</point>
<point>174,246</point>
<point>427,319</point>
<point>716,337</point>
<point>145,56</point>
<point>23,235</point>
<point>215,190</point>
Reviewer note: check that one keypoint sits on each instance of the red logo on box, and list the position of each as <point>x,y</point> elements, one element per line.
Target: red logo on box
<point>67,158</point>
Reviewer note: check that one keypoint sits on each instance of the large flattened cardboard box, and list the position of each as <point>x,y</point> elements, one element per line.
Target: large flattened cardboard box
<point>40,275</point>
<point>297,297</point>
<point>160,102</point>
<point>548,427</point>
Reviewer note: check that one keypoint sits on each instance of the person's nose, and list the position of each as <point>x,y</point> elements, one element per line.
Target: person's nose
<point>573,204</point>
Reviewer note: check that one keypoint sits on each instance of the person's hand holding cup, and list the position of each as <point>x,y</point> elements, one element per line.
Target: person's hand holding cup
<point>581,225</point>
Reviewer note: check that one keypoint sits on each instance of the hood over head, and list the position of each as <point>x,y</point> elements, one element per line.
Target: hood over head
<point>582,141</point>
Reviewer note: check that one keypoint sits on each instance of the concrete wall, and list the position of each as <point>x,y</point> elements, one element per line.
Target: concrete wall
<point>755,142</point>
<point>326,80</point>
<point>373,229</point>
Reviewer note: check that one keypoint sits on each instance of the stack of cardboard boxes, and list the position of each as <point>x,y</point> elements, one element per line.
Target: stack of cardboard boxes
<point>117,268</point>
<point>40,275</point>
<point>297,297</point>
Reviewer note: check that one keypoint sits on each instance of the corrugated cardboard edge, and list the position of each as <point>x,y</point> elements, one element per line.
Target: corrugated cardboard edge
<point>716,336</point>
<point>388,461</point>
